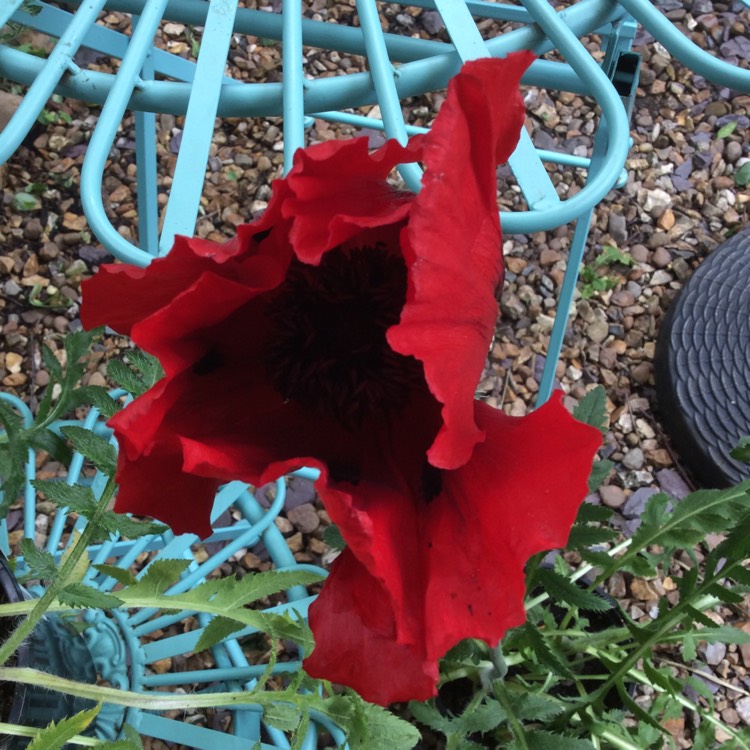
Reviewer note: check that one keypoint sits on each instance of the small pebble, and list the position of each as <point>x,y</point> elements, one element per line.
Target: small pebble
<point>612,496</point>
<point>633,459</point>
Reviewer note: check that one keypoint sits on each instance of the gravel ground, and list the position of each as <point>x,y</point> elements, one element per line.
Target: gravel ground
<point>680,201</point>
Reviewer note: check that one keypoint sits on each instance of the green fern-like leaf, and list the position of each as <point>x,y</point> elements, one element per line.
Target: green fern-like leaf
<point>56,736</point>
<point>40,562</point>
<point>80,596</point>
<point>592,410</point>
<point>562,590</point>
<point>98,450</point>
<point>216,631</point>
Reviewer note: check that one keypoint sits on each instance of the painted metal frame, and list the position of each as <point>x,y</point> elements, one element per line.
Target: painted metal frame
<point>150,80</point>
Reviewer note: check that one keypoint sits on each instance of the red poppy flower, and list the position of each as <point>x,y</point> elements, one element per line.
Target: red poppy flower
<point>347,329</point>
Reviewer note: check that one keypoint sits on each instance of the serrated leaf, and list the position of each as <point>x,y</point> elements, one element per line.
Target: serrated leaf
<point>159,576</point>
<point>52,364</point>
<point>95,448</point>
<point>741,451</point>
<point>283,716</point>
<point>700,513</point>
<point>55,736</point>
<point>737,544</point>
<point>590,513</point>
<point>231,593</point>
<point>130,528</point>
<point>531,707</point>
<point>76,497</point>
<point>118,372</point>
<point>78,344</point>
<point>427,714</point>
<point>485,717</point>
<point>15,456</point>
<point>48,441</point>
<point>661,678</point>
<point>544,652</point>
<point>332,537</point>
<point>132,736</point>
<point>118,745</point>
<point>565,591</point>
<point>538,739</point>
<point>120,575</point>
<point>582,537</point>
<point>300,733</point>
<point>723,634</point>
<point>41,563</point>
<point>98,396</point>
<point>149,366</point>
<point>592,409</point>
<point>81,596</point>
<point>216,631</point>
<point>600,470</point>
<point>226,598</point>
<point>375,728</point>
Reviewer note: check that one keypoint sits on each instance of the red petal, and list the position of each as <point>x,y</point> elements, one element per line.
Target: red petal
<point>518,495</point>
<point>120,295</point>
<point>455,565</point>
<point>453,245</point>
<point>337,189</point>
<point>155,485</point>
<point>180,332</point>
<point>355,640</point>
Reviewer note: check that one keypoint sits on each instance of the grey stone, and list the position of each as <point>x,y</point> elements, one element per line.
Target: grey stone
<point>512,307</point>
<point>597,331</point>
<point>672,483</point>
<point>661,258</point>
<point>618,228</point>
<point>11,289</point>
<point>715,652</point>
<point>633,459</point>
<point>432,22</point>
<point>635,504</point>
<point>304,517</point>
<point>298,492</point>
<point>743,709</point>
<point>733,151</point>
<point>612,496</point>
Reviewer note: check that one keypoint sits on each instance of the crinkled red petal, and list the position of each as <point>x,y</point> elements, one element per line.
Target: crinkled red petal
<point>182,331</point>
<point>355,639</point>
<point>337,189</point>
<point>120,295</point>
<point>453,567</point>
<point>453,245</point>
<point>155,485</point>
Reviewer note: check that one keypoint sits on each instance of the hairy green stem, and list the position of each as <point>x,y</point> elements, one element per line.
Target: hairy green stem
<point>153,701</point>
<point>67,569</point>
<point>17,730</point>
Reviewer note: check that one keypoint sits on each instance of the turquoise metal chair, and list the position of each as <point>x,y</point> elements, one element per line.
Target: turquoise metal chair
<point>151,80</point>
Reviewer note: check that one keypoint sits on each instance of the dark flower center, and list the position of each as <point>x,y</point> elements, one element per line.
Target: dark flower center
<point>328,348</point>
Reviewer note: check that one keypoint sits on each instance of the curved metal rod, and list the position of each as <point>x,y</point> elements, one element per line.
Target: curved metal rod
<point>618,128</point>
<point>59,62</point>
<point>113,111</point>
<point>688,53</point>
<point>327,93</point>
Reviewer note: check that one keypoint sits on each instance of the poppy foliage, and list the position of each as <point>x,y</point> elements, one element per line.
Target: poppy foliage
<point>346,329</point>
